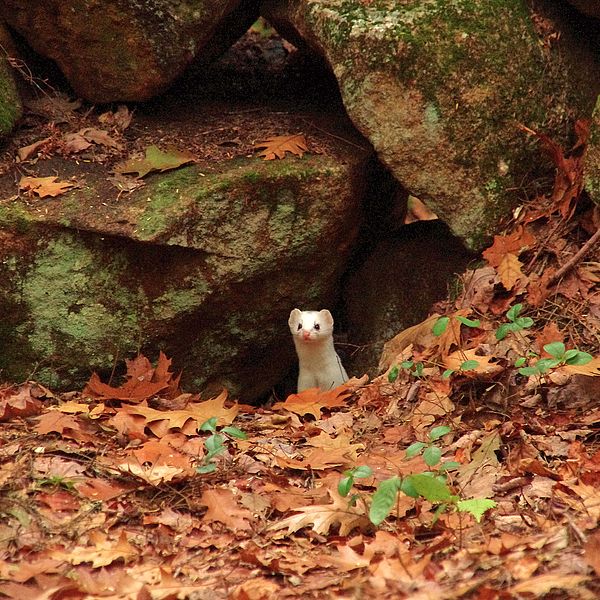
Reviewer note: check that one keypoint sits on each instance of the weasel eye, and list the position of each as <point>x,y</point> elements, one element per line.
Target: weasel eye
<point>299,326</point>
<point>317,326</point>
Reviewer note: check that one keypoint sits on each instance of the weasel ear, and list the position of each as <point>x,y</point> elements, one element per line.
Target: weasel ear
<point>294,316</point>
<point>326,317</point>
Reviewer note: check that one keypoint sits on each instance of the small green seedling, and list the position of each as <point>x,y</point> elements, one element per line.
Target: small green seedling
<point>442,323</point>
<point>215,443</point>
<point>430,485</point>
<point>349,476</point>
<point>468,365</point>
<point>516,323</point>
<point>559,356</point>
<point>432,454</point>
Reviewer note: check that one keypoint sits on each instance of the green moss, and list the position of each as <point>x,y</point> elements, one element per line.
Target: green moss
<point>79,310</point>
<point>10,103</point>
<point>15,218</point>
<point>176,302</point>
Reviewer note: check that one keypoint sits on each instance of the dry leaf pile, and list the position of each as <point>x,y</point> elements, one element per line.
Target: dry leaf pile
<point>100,491</point>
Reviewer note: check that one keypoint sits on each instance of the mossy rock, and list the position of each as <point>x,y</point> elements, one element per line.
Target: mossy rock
<point>10,102</point>
<point>439,87</point>
<point>204,266</point>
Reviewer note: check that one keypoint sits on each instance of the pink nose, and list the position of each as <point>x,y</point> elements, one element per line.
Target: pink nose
<point>306,335</point>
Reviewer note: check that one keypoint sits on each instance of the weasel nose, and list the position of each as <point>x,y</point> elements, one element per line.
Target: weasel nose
<point>306,335</point>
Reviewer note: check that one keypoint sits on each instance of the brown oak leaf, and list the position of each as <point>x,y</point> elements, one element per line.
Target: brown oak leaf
<point>44,186</point>
<point>222,507</point>
<point>277,146</point>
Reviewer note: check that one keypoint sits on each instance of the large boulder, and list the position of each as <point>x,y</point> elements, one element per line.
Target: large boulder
<point>10,102</point>
<point>439,87</point>
<point>591,173</point>
<point>123,50</point>
<point>395,286</point>
<point>203,265</point>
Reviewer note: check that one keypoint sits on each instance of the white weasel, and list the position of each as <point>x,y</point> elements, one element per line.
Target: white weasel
<point>320,366</point>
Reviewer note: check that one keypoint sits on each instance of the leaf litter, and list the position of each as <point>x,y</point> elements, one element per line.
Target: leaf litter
<point>100,488</point>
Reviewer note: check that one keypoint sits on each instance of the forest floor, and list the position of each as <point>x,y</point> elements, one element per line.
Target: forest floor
<point>468,469</point>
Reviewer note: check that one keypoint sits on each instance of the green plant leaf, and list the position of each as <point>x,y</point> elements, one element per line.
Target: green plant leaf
<point>419,369</point>
<point>345,485</point>
<point>513,312</point>
<point>520,361</point>
<point>545,364</point>
<point>432,456</point>
<point>407,364</point>
<point>503,330</point>
<point>235,433</point>
<point>449,465</point>
<point>469,322</point>
<point>556,349</point>
<point>476,506</point>
<point>469,365</point>
<point>384,499</point>
<point>362,471</point>
<point>393,374</point>
<point>529,371</point>
<point>438,513</point>
<point>431,489</point>
<point>414,449</point>
<point>440,431</point>
<point>409,489</point>
<point>209,425</point>
<point>440,326</point>
<point>569,354</point>
<point>214,445</point>
<point>447,373</point>
<point>523,322</point>
<point>207,468</point>
<point>582,358</point>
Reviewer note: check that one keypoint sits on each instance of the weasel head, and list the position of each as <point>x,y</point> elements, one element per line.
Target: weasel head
<point>310,326</point>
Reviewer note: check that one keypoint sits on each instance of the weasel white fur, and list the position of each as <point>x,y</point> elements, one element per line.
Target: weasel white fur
<point>320,366</point>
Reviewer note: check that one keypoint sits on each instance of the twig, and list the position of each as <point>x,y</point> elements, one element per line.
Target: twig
<point>574,259</point>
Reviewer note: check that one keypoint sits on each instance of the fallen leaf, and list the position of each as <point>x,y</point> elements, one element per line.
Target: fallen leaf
<point>44,186</point>
<point>101,553</point>
<point>55,421</point>
<point>119,119</point>
<point>321,518</point>
<point>143,381</point>
<point>276,147</point>
<point>18,403</point>
<point>58,501</point>
<point>99,489</point>
<point>484,368</point>
<point>100,137</point>
<point>75,142</point>
<point>155,160</point>
<point>543,584</point>
<point>26,152</point>
<point>514,243</point>
<point>509,271</point>
<point>222,507</point>
<point>313,401</point>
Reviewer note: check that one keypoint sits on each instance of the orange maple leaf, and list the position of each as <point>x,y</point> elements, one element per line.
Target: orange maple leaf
<point>313,400</point>
<point>18,403</point>
<point>44,186</point>
<point>143,381</point>
<point>277,146</point>
<point>514,243</point>
<point>55,421</point>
